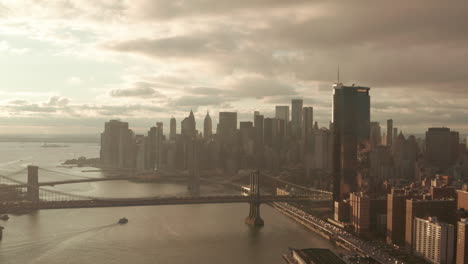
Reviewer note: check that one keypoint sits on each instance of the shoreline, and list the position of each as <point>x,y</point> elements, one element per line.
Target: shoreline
<point>310,227</point>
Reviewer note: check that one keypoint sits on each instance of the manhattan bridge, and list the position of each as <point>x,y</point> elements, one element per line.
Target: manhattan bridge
<point>31,194</point>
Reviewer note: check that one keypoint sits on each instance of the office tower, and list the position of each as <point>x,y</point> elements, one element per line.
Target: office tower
<point>228,137</point>
<point>433,240</point>
<point>395,135</point>
<point>367,214</point>
<point>360,213</point>
<point>307,128</point>
<point>296,117</point>
<point>173,129</point>
<point>375,134</point>
<point>193,164</point>
<point>282,112</point>
<point>389,132</point>
<point>441,147</point>
<point>462,242</point>
<point>159,144</point>
<point>351,120</point>
<point>444,210</point>
<point>188,126</point>
<point>227,124</point>
<point>207,126</point>
<point>396,216</point>
<point>322,142</point>
<point>247,135</point>
<point>268,126</point>
<point>381,163</point>
<point>151,142</point>
<point>258,140</point>
<point>256,113</point>
<point>462,198</point>
<point>118,146</point>
<point>141,153</point>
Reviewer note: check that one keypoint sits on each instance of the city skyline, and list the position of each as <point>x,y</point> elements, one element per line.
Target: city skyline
<point>149,60</point>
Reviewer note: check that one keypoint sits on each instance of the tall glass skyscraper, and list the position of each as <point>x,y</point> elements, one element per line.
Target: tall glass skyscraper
<point>296,117</point>
<point>351,124</point>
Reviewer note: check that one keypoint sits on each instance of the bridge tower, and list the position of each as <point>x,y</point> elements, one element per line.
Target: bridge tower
<point>254,218</point>
<point>33,183</point>
<point>194,166</point>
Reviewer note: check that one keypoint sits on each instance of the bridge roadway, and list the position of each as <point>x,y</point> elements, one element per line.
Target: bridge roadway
<point>53,183</point>
<point>122,202</point>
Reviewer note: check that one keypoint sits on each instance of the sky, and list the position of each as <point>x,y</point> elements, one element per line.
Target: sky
<point>67,66</point>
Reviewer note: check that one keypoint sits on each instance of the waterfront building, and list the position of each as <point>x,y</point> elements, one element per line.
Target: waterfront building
<point>462,241</point>
<point>444,210</point>
<point>433,240</point>
<point>118,146</point>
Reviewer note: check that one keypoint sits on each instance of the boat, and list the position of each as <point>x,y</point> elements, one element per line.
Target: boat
<point>123,221</point>
<point>4,217</point>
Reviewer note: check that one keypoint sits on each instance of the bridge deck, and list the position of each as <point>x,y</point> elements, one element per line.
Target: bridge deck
<point>52,183</point>
<point>121,202</point>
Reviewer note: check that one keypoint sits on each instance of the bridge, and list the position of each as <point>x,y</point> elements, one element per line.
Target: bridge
<point>31,196</point>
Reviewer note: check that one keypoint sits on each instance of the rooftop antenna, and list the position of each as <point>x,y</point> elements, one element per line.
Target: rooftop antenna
<point>338,73</point>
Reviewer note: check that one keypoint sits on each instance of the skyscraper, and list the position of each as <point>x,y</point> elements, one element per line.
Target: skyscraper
<point>173,129</point>
<point>227,124</point>
<point>462,241</point>
<point>282,112</point>
<point>307,128</point>
<point>207,126</point>
<point>433,240</point>
<point>118,146</point>
<point>389,132</point>
<point>296,117</point>
<point>258,139</point>
<point>375,136</point>
<point>351,123</point>
<point>441,147</point>
<point>159,144</point>
<point>188,126</point>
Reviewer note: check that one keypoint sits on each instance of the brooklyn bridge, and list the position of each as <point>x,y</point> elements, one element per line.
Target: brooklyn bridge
<point>31,195</point>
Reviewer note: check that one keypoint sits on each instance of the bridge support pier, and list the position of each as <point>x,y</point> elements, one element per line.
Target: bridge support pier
<point>1,232</point>
<point>33,183</point>
<point>254,218</point>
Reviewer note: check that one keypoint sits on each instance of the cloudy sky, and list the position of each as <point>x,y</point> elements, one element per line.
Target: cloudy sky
<point>69,65</point>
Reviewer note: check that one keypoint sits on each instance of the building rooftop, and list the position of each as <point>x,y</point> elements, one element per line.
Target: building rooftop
<point>319,255</point>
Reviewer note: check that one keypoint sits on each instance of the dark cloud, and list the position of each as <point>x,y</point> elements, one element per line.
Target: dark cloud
<point>421,44</point>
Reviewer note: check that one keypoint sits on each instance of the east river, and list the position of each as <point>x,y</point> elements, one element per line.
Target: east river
<point>155,234</point>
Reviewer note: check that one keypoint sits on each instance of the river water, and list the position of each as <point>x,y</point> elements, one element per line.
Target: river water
<point>213,233</point>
